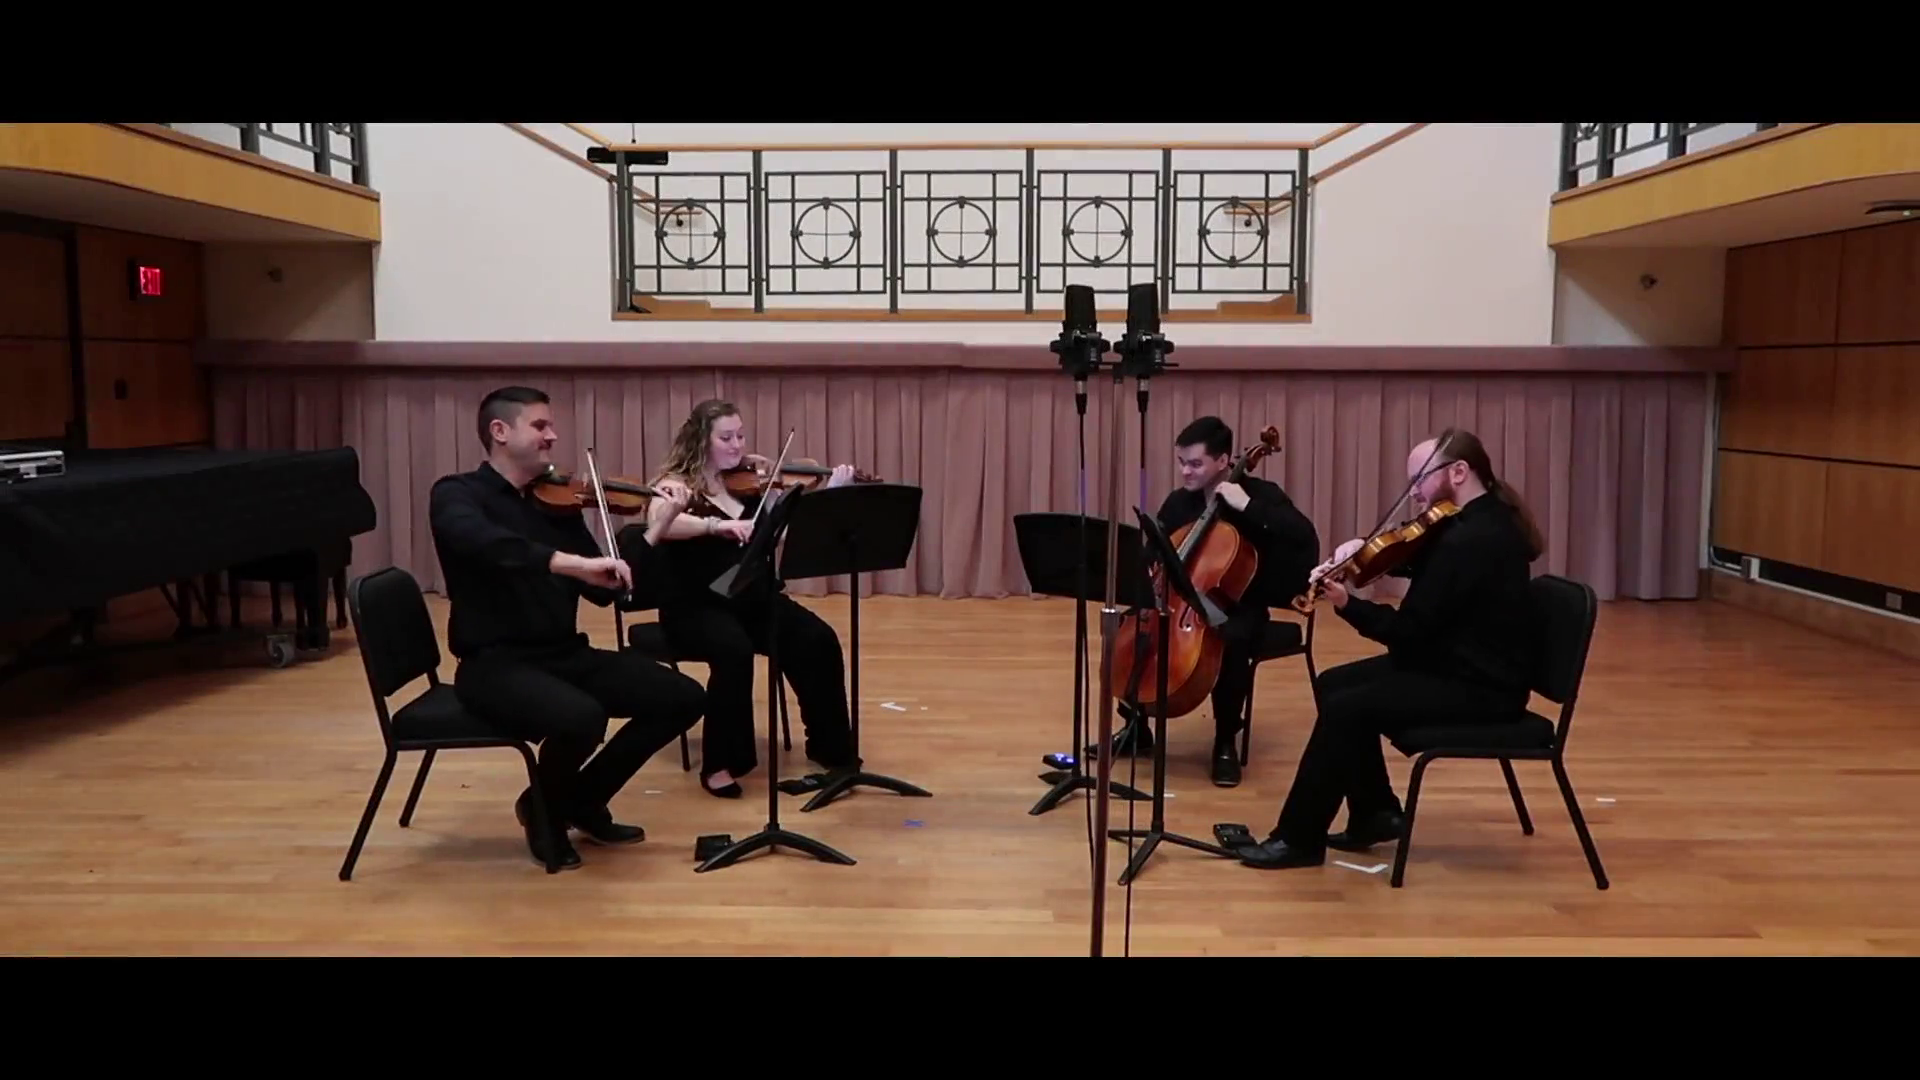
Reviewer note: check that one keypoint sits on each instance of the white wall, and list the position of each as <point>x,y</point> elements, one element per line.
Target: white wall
<point>1625,296</point>
<point>1439,239</point>
<point>289,292</point>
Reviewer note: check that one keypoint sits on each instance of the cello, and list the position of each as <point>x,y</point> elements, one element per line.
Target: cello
<point>1222,563</point>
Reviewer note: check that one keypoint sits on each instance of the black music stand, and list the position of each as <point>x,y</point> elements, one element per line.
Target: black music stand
<point>1175,575</point>
<point>853,530</point>
<point>1052,550</point>
<point>756,561</point>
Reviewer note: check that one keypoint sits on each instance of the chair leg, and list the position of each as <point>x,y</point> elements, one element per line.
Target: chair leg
<point>340,599</point>
<point>540,822</point>
<point>1519,804</point>
<point>1580,824</point>
<point>686,754</point>
<point>1406,831</point>
<point>419,784</point>
<point>366,818</point>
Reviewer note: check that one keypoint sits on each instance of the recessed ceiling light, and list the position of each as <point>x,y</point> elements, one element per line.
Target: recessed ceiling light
<point>1903,207</point>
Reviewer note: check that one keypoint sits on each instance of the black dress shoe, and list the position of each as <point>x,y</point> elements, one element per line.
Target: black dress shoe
<point>538,844</point>
<point>1279,855</point>
<point>1361,834</point>
<point>1226,766</point>
<point>608,832</point>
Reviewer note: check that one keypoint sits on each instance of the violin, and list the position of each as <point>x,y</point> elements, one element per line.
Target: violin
<point>1222,564</point>
<point>743,480</point>
<point>564,492</point>
<point>1382,554</point>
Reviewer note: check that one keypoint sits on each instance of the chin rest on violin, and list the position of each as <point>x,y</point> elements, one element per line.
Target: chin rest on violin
<point>1386,552</point>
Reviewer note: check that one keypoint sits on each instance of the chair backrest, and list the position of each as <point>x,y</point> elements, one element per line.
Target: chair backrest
<point>397,642</point>
<point>1567,612</point>
<point>646,594</point>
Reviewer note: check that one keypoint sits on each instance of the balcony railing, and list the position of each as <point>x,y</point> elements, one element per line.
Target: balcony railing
<point>959,231</point>
<point>1590,153</point>
<point>335,150</point>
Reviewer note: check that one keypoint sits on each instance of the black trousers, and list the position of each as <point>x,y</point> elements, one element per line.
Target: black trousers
<point>562,697</point>
<point>1344,760</point>
<point>1241,633</point>
<point>726,635</point>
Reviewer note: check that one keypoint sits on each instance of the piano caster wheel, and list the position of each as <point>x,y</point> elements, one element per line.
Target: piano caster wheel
<point>280,651</point>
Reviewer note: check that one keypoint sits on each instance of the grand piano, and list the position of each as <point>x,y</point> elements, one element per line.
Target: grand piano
<point>177,520</point>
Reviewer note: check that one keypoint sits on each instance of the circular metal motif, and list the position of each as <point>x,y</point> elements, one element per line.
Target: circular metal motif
<point>827,209</point>
<point>1103,211</point>
<point>965,211</point>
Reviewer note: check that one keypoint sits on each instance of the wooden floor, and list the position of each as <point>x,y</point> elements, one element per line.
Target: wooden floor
<point>1750,786</point>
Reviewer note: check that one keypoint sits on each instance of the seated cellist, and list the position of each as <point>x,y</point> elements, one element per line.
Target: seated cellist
<point>1288,547</point>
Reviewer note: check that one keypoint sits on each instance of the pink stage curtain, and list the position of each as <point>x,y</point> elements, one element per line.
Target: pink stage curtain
<point>1611,463</point>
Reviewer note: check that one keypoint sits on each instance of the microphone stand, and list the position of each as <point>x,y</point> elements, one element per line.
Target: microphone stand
<point>1143,354</point>
<point>1081,354</point>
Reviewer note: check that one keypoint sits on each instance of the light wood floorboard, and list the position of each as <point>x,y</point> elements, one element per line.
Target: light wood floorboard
<point>1750,785</point>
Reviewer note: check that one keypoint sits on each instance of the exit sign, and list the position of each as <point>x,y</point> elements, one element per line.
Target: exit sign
<point>148,282</point>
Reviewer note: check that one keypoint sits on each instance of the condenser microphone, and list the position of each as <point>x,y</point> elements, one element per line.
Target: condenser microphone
<point>1143,352</point>
<point>1080,346</point>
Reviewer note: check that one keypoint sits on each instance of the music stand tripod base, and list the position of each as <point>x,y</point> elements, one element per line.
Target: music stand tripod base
<point>1042,538</point>
<point>853,530</point>
<point>1175,575</point>
<point>755,562</point>
<point>773,837</point>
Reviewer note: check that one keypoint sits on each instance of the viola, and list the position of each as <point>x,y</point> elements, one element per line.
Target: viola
<point>1222,563</point>
<point>1382,554</point>
<point>744,479</point>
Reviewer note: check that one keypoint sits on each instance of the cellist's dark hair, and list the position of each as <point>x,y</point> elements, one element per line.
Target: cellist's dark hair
<point>1210,431</point>
<point>1456,444</point>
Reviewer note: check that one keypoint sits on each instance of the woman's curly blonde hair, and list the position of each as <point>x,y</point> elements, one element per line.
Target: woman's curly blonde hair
<point>687,461</point>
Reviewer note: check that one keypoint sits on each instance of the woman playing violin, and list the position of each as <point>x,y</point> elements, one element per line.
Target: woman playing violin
<point>1459,651</point>
<point>709,456</point>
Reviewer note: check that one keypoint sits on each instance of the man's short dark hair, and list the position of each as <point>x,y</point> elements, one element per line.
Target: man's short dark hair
<point>505,404</point>
<point>1210,430</point>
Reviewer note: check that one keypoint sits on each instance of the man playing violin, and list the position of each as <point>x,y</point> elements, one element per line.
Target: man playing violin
<point>726,633</point>
<point>1459,650</point>
<point>1288,544</point>
<point>515,572</point>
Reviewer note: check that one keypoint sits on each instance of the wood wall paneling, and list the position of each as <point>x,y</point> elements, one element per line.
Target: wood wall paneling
<point>36,388</point>
<point>107,307</point>
<point>145,393</point>
<point>36,344</point>
<point>1872,528</point>
<point>33,286</point>
<point>142,385</point>
<point>1772,507</point>
<point>1784,293</point>
<point>1875,415</point>
<point>1879,284</point>
<point>1780,401</point>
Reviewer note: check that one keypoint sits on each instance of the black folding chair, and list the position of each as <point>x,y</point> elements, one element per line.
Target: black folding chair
<point>1567,611</point>
<point>398,646</point>
<point>1278,641</point>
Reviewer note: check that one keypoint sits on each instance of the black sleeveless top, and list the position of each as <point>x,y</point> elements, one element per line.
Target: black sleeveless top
<point>688,567</point>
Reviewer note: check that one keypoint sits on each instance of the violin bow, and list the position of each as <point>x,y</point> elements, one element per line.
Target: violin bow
<point>767,485</point>
<point>606,531</point>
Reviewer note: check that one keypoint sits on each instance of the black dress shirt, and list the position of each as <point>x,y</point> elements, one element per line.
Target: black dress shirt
<point>1288,544</point>
<point>1468,610</point>
<point>494,542</point>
